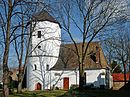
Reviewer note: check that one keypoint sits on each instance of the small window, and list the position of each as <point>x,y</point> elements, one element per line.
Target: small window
<point>35,67</point>
<point>97,48</point>
<point>57,74</point>
<point>39,34</point>
<point>93,57</point>
<point>39,47</point>
<point>47,67</point>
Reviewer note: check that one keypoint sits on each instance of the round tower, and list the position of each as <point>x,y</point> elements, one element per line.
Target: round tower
<point>44,48</point>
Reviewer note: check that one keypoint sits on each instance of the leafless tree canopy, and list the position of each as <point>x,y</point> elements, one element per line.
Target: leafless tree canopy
<point>118,48</point>
<point>83,20</point>
<point>15,16</point>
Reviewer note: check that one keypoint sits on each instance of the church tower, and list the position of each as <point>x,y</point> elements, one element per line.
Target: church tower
<point>44,48</point>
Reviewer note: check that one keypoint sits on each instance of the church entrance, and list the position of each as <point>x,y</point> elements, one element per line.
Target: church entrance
<point>66,83</point>
<point>38,86</point>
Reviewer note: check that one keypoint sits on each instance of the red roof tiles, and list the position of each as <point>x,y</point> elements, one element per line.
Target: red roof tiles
<point>120,77</point>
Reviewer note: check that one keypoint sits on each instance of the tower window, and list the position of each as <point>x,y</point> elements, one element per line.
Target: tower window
<point>35,67</point>
<point>47,67</point>
<point>39,34</point>
<point>39,46</point>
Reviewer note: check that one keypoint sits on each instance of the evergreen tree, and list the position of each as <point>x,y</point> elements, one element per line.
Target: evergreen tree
<point>116,68</point>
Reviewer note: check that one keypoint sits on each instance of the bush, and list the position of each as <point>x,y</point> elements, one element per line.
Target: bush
<point>74,87</point>
<point>90,86</point>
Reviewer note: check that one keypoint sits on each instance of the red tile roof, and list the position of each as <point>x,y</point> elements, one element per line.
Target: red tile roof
<point>120,77</point>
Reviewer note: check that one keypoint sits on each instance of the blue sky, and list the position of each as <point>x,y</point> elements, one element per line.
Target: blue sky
<point>75,32</point>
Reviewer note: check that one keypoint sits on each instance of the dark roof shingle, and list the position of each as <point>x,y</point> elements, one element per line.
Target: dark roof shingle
<point>44,16</point>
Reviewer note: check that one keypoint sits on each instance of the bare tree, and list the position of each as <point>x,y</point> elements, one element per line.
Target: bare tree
<point>86,19</point>
<point>14,17</point>
<point>22,41</point>
<point>21,48</point>
<point>1,66</point>
<point>6,32</point>
<point>120,45</point>
<point>65,58</point>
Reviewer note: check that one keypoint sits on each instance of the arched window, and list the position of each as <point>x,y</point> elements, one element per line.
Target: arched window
<point>35,67</point>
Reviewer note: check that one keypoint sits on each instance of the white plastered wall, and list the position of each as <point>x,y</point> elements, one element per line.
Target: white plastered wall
<point>47,54</point>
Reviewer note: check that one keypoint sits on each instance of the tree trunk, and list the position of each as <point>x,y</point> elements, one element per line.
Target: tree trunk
<point>5,85</point>
<point>6,71</point>
<point>19,87</point>
<point>81,82</point>
<point>6,91</point>
<point>20,80</point>
<point>81,76</point>
<point>20,76</point>
<point>6,53</point>
<point>124,66</point>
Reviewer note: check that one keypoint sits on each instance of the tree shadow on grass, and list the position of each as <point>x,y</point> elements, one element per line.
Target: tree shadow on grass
<point>125,87</point>
<point>95,93</point>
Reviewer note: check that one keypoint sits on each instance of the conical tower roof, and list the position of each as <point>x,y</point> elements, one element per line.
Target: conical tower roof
<point>44,16</point>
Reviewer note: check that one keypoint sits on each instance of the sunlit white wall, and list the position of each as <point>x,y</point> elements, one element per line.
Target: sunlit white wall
<point>45,52</point>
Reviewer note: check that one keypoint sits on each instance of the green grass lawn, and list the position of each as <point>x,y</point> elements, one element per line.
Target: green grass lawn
<point>75,93</point>
<point>55,93</point>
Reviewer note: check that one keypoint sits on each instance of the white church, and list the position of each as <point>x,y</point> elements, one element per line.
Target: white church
<point>52,64</point>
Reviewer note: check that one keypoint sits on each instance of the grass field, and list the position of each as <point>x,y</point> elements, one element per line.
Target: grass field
<point>55,93</point>
<point>75,93</point>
